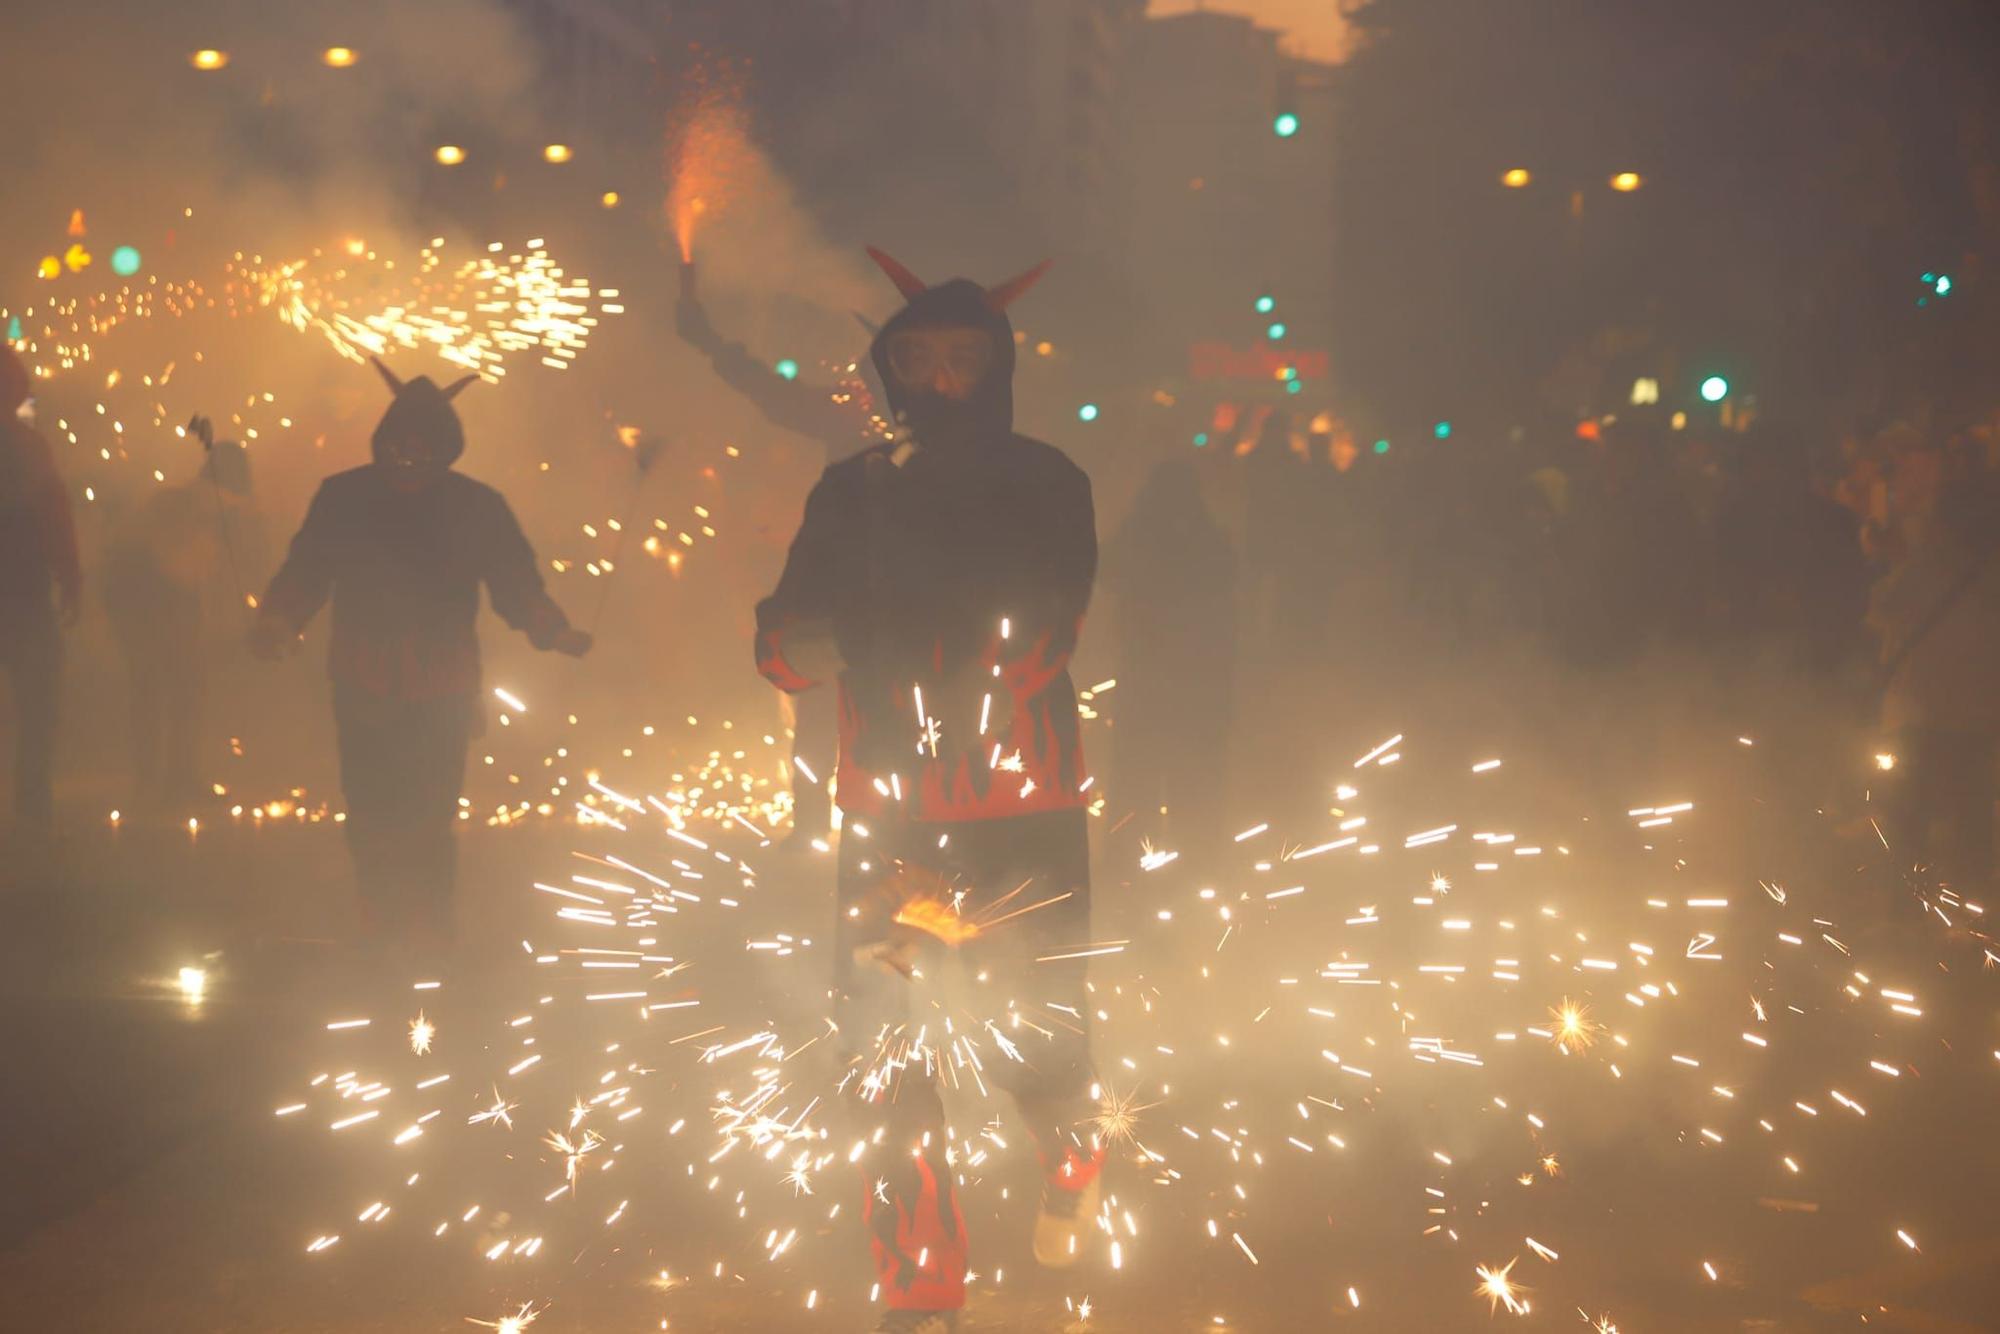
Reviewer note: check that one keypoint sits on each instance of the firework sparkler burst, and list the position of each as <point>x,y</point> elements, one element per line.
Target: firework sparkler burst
<point>1575,1030</point>
<point>517,1323</point>
<point>1500,1290</point>
<point>422,1030</point>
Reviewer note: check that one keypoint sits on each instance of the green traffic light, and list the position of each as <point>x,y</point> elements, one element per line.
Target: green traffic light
<point>1088,412</point>
<point>1285,125</point>
<point>1275,331</point>
<point>1381,446</point>
<point>787,369</point>
<point>1442,430</point>
<point>1265,305</point>
<point>1714,389</point>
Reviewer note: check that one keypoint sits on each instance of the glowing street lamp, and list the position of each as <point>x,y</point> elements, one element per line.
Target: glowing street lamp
<point>209,59</point>
<point>337,57</point>
<point>1625,182</point>
<point>450,155</point>
<point>556,153</point>
<point>1515,177</point>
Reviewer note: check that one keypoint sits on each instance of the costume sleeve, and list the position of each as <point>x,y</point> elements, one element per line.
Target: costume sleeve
<point>808,409</point>
<point>802,604</point>
<point>514,581</point>
<point>1042,636</point>
<point>302,584</point>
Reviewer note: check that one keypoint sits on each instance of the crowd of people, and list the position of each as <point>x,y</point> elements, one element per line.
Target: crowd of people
<point>1846,579</point>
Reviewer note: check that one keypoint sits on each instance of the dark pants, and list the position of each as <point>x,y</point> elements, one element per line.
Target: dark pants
<point>31,656</point>
<point>1945,808</point>
<point>1035,1004</point>
<point>402,763</point>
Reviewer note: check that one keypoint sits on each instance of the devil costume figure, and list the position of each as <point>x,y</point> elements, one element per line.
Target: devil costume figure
<point>401,546</point>
<point>40,581</point>
<point>942,577</point>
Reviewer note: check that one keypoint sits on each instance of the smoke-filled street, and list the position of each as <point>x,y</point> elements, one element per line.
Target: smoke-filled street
<point>1075,666</point>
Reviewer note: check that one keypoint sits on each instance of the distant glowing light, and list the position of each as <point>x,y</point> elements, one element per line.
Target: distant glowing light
<point>1087,413</point>
<point>609,199</point>
<point>208,58</point>
<point>1285,125</point>
<point>556,153</point>
<point>50,267</point>
<point>1442,430</point>
<point>193,983</point>
<point>1942,286</point>
<point>337,57</point>
<point>1275,331</point>
<point>1381,446</point>
<point>1645,389</point>
<point>787,369</point>
<point>1200,439</point>
<point>1515,177</point>
<point>1266,304</point>
<point>450,155</point>
<point>1625,182</point>
<point>1885,761</point>
<point>125,261</point>
<point>1714,389</point>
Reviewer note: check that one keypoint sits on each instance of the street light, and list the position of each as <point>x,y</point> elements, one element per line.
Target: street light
<point>1515,177</point>
<point>209,59</point>
<point>1625,182</point>
<point>556,153</point>
<point>337,57</point>
<point>450,155</point>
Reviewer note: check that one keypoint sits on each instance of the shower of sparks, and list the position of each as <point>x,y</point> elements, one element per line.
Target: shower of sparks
<point>745,1094</point>
<point>422,1031</point>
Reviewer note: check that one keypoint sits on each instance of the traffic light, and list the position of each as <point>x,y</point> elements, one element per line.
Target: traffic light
<point>1714,389</point>
<point>125,261</point>
<point>1087,413</point>
<point>1442,430</point>
<point>1266,304</point>
<point>1284,124</point>
<point>1275,330</point>
<point>787,369</point>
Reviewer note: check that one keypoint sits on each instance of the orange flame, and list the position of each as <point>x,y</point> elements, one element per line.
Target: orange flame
<point>708,149</point>
<point>936,918</point>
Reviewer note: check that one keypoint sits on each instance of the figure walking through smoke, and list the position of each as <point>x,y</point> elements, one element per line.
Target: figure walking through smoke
<point>401,546</point>
<point>40,583</point>
<point>942,577</point>
<point>173,568</point>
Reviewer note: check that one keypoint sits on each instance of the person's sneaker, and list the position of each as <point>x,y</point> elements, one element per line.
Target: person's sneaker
<point>917,1322</point>
<point>1069,1201</point>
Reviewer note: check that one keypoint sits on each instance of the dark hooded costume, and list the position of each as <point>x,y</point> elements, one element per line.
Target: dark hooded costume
<point>401,550</point>
<point>39,571</point>
<point>950,567</point>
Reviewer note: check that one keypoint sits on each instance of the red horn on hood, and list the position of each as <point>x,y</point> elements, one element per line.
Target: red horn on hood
<point>451,390</point>
<point>1002,295</point>
<point>909,284</point>
<point>388,376</point>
